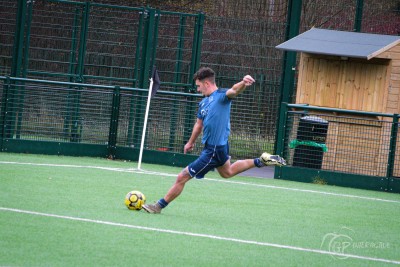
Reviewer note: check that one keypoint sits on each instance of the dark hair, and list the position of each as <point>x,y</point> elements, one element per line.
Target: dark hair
<point>204,73</point>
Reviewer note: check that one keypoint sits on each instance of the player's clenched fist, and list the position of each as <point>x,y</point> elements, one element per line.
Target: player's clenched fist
<point>248,80</point>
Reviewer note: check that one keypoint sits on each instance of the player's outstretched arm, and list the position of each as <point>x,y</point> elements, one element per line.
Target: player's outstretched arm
<point>240,86</point>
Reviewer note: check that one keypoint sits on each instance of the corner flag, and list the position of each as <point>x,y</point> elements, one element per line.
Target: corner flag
<point>156,81</point>
<point>154,86</point>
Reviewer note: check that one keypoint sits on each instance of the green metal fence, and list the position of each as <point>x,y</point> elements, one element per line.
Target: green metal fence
<point>52,117</point>
<point>102,44</point>
<point>354,148</point>
<point>91,58</point>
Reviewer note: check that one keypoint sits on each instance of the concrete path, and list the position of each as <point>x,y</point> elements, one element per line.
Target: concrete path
<point>265,172</point>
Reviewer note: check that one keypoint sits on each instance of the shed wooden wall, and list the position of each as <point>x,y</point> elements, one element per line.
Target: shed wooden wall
<point>348,84</point>
<point>356,147</point>
<point>393,100</point>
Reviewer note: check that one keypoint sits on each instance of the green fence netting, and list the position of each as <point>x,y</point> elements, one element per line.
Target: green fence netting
<point>116,43</point>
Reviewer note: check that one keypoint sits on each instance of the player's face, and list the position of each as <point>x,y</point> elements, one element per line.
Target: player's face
<point>201,87</point>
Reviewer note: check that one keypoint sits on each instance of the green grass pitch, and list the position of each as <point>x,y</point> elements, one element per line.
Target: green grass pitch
<point>69,211</point>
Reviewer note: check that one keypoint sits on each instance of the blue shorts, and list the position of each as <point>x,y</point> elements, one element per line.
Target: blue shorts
<point>211,157</point>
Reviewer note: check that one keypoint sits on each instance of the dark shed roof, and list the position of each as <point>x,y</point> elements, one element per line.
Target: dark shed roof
<point>341,43</point>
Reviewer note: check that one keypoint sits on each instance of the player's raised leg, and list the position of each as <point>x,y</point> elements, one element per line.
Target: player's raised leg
<point>229,170</point>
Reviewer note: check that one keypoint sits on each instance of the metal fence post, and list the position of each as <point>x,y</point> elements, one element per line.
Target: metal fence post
<point>3,111</point>
<point>392,148</point>
<point>74,40</point>
<point>19,38</point>
<point>80,71</point>
<point>21,93</point>
<point>154,42</point>
<point>71,74</point>
<point>281,132</point>
<point>196,53</point>
<point>147,48</point>
<point>147,52</point>
<point>177,76</point>
<point>113,133</point>
<point>17,61</point>
<point>136,78</point>
<point>289,62</point>
<point>196,49</point>
<point>358,17</point>
<point>140,35</point>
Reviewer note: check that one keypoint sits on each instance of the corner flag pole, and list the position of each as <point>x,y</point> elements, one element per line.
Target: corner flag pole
<point>146,116</point>
<point>154,80</point>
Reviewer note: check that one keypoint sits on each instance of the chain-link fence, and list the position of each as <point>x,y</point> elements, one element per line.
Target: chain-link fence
<point>344,143</point>
<point>366,144</point>
<point>86,114</point>
<point>116,42</point>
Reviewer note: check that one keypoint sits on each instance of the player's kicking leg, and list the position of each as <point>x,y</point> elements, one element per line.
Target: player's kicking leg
<point>176,189</point>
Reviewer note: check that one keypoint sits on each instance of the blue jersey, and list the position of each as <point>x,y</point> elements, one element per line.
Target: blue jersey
<point>215,111</point>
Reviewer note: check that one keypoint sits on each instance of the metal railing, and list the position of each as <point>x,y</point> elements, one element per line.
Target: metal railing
<point>53,115</point>
<point>331,141</point>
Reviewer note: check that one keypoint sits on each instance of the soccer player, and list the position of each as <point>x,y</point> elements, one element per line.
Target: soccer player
<point>213,119</point>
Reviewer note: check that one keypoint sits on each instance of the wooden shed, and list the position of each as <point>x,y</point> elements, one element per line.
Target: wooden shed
<point>355,71</point>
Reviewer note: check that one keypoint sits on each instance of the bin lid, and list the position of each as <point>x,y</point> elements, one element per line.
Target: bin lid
<point>314,119</point>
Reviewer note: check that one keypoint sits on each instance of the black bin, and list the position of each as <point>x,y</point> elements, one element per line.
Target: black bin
<point>312,131</point>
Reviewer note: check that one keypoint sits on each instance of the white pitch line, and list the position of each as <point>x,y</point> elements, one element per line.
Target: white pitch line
<point>132,170</point>
<point>235,240</point>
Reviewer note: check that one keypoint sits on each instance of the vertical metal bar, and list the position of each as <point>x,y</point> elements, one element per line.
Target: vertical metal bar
<point>71,74</point>
<point>27,38</point>
<point>177,77</point>
<point>142,15</point>
<point>193,68</point>
<point>136,78</point>
<point>280,140</point>
<point>358,16</point>
<point>145,74</point>
<point>196,49</point>
<point>392,146</point>
<point>147,48</point>
<point>3,112</point>
<point>21,95</point>
<point>289,62</point>
<point>113,133</point>
<point>157,16</point>
<point>153,45</point>
<point>199,41</point>
<point>179,53</point>
<point>19,38</point>
<point>17,59</point>
<point>72,58</point>
<point>260,100</point>
<point>75,109</point>
<point>80,70</point>
<point>196,52</point>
